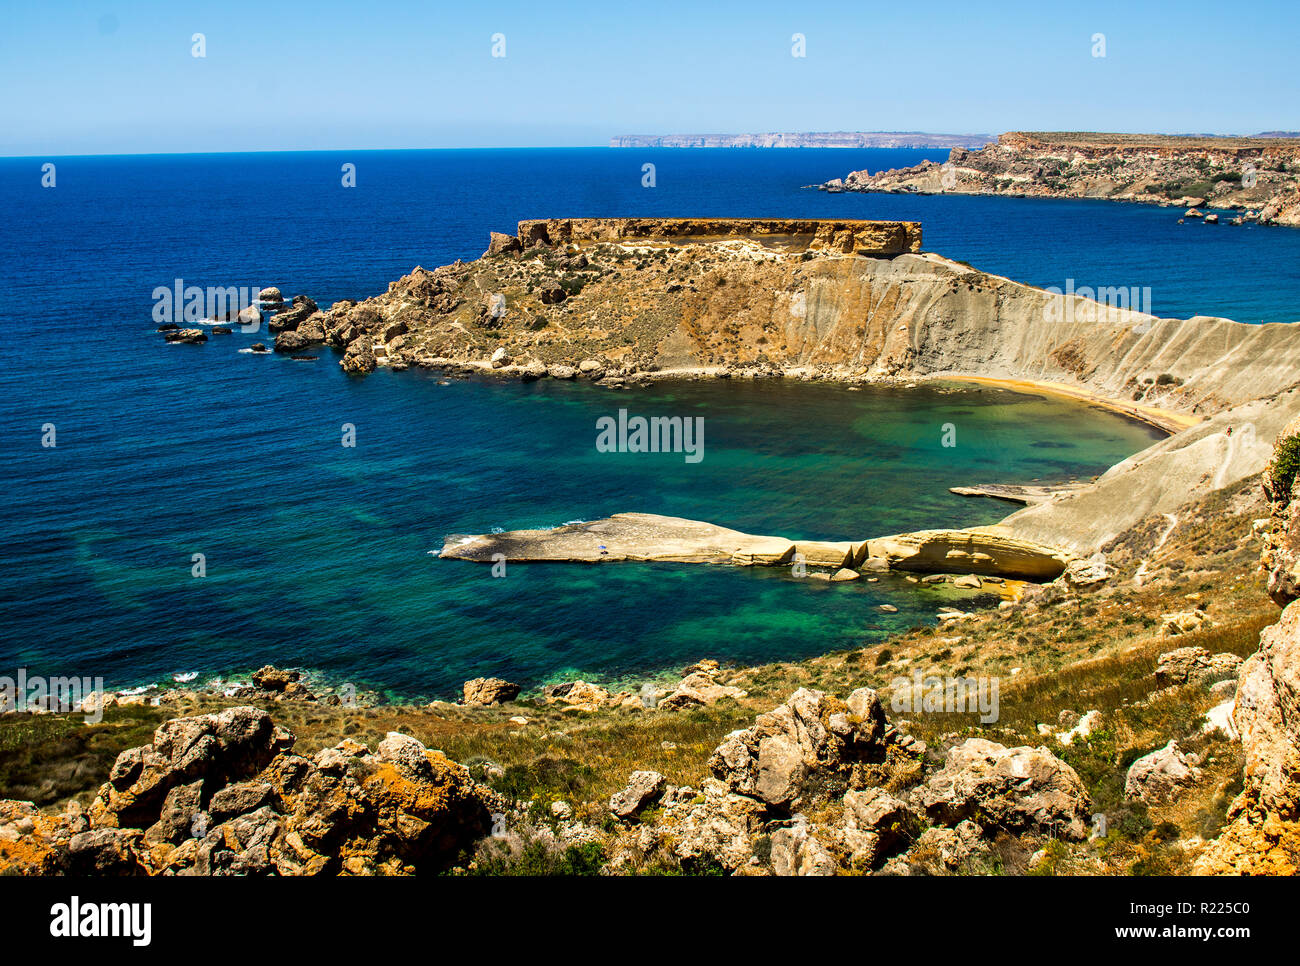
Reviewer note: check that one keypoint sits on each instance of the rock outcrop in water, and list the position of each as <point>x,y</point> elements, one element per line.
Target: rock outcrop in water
<point>1260,175</point>
<point>651,537</point>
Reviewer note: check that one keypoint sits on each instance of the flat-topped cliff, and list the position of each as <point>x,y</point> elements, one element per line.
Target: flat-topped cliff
<point>850,237</point>
<point>807,139</point>
<point>613,299</point>
<point>1258,175</point>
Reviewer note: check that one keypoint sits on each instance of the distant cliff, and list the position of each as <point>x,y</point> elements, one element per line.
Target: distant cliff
<point>814,139</point>
<point>1258,175</point>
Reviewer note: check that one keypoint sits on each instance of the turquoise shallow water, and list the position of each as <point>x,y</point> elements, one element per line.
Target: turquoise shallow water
<point>318,556</point>
<point>324,562</point>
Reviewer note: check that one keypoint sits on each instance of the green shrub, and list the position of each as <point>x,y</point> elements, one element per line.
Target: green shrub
<point>1286,462</point>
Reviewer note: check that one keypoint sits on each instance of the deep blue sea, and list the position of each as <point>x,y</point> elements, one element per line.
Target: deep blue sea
<point>317,555</point>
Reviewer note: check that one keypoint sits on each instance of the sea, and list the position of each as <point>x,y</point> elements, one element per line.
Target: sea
<point>192,510</point>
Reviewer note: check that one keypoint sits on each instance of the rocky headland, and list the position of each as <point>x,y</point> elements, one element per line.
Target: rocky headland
<point>1259,176</point>
<point>620,302</point>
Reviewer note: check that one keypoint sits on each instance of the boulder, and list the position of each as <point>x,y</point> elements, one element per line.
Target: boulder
<point>499,244</point>
<point>552,293</point>
<point>876,811</point>
<point>289,318</point>
<point>1183,622</point>
<point>1087,573</point>
<point>643,787</point>
<point>1267,715</point>
<point>1195,665</point>
<point>239,799</point>
<point>795,852</point>
<point>811,735</point>
<point>581,695</point>
<point>481,692</point>
<point>699,686</point>
<point>359,359</point>
<point>103,851</point>
<point>186,336</point>
<point>289,341</point>
<point>1012,789</point>
<point>269,678</point>
<point>1157,778</point>
<point>939,851</point>
<point>217,748</point>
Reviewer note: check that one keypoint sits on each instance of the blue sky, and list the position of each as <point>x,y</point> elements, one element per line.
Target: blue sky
<point>117,77</point>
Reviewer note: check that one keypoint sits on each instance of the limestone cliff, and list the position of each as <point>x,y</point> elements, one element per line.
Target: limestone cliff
<point>1264,834</point>
<point>813,139</point>
<point>1258,175</point>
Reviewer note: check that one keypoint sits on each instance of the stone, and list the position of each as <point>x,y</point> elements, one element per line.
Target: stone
<point>231,745</point>
<point>1082,574</point>
<point>499,244</point>
<point>1195,665</point>
<point>104,851</point>
<point>186,336</point>
<point>795,852</point>
<point>1183,622</point>
<point>643,787</point>
<point>578,694</point>
<point>968,582</point>
<point>876,811</point>
<point>269,678</point>
<point>811,736</point>
<point>1159,777</point>
<point>1012,789</point>
<point>481,692</point>
<point>359,359</point>
<point>844,574</point>
<point>239,799</point>
<point>698,687</point>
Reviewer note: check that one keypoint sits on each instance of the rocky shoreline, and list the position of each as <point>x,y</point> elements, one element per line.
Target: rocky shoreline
<point>1260,177</point>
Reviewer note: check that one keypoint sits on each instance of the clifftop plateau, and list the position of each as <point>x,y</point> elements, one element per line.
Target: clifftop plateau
<point>817,139</point>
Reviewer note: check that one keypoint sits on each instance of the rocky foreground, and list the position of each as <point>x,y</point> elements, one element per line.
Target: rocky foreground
<point>1103,761</point>
<point>1259,176</point>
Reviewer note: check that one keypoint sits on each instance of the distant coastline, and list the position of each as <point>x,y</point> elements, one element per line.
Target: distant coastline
<point>810,139</point>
